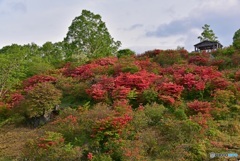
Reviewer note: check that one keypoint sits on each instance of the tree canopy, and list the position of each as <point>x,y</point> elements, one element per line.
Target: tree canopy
<point>236,39</point>
<point>89,35</point>
<point>207,34</point>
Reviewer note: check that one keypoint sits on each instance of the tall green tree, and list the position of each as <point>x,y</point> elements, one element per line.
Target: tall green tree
<point>236,39</point>
<point>207,34</point>
<point>53,53</point>
<point>89,35</point>
<point>12,69</point>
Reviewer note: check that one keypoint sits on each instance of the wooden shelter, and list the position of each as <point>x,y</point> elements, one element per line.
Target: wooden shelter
<point>207,45</point>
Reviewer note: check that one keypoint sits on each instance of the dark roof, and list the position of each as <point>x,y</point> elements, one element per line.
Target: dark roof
<point>208,43</point>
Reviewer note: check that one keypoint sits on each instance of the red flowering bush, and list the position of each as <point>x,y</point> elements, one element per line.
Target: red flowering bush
<point>198,81</point>
<point>110,128</point>
<point>15,99</point>
<point>198,60</point>
<point>120,92</point>
<point>97,92</point>
<point>107,82</point>
<point>32,81</point>
<point>82,72</point>
<point>148,65</point>
<point>140,80</point>
<point>121,86</point>
<point>199,106</point>
<point>90,156</point>
<point>169,92</point>
<point>219,83</point>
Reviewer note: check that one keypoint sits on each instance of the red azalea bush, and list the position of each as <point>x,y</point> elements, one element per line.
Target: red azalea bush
<point>169,92</point>
<point>82,72</point>
<point>219,83</point>
<point>140,80</point>
<point>120,92</point>
<point>97,92</point>
<point>15,99</point>
<point>118,87</point>
<point>148,65</point>
<point>200,106</point>
<point>194,77</point>
<point>198,60</point>
<point>32,81</point>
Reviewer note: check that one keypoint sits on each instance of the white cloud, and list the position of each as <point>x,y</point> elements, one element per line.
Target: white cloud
<point>169,23</point>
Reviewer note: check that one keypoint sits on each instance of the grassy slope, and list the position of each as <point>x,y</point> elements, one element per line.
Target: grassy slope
<point>13,139</point>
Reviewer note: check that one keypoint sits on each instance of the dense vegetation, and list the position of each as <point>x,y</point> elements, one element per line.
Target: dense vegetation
<point>158,105</point>
<point>85,105</point>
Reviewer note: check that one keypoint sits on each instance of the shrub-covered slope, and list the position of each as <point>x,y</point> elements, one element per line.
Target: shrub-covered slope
<point>160,105</point>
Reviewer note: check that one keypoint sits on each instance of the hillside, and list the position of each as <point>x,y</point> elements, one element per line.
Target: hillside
<point>159,105</point>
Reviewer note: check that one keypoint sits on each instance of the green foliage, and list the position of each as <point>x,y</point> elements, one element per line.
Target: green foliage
<point>236,39</point>
<point>4,112</point>
<point>40,100</point>
<point>150,95</point>
<point>154,112</point>
<point>37,65</point>
<point>74,92</point>
<point>51,147</point>
<point>125,52</point>
<point>203,115</point>
<point>11,71</point>
<point>168,58</point>
<point>180,114</point>
<point>207,34</point>
<point>53,54</point>
<point>101,157</point>
<point>89,35</point>
<point>181,131</point>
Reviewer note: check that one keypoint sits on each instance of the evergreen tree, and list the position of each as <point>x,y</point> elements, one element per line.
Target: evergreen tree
<point>207,34</point>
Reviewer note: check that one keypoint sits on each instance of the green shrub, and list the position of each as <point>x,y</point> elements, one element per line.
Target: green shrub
<point>125,53</point>
<point>51,147</point>
<point>154,112</point>
<point>102,157</point>
<point>149,95</point>
<point>4,112</point>
<point>168,58</point>
<point>180,114</point>
<point>40,100</point>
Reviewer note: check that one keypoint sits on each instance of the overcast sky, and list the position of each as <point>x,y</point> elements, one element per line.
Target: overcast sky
<point>140,25</point>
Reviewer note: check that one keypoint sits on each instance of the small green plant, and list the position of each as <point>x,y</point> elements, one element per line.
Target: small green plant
<point>51,147</point>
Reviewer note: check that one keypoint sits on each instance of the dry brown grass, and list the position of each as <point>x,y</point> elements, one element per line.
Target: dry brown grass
<point>13,139</point>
